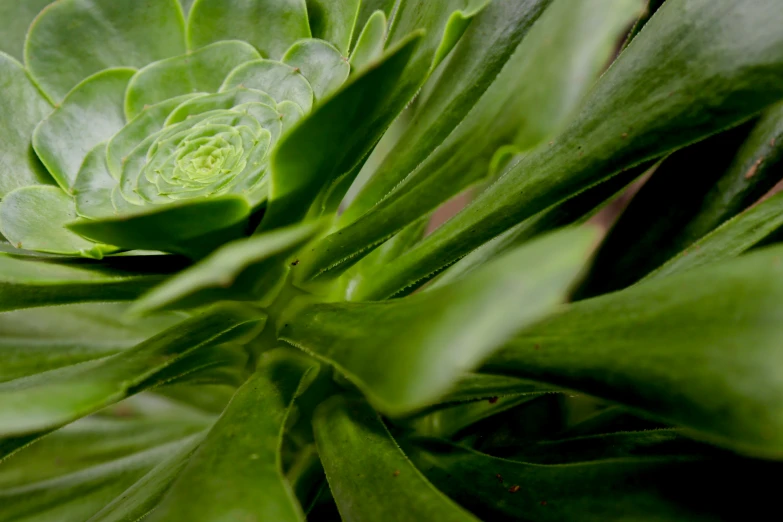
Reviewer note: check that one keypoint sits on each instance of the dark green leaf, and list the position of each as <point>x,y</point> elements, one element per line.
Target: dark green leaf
<point>369,46</point>
<point>334,21</point>
<point>698,349</point>
<point>370,477</point>
<point>26,283</point>
<point>650,102</point>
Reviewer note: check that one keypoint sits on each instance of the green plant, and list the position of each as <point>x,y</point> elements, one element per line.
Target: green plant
<point>219,302</point>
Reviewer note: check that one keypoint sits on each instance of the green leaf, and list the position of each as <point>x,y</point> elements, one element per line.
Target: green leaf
<point>282,82</point>
<point>138,500</point>
<point>178,227</point>
<point>92,190</point>
<point>321,64</point>
<point>283,23</point>
<point>367,9</point>
<point>444,23</point>
<point>90,114</point>
<point>334,21</point>
<point>246,269</point>
<point>42,339</point>
<point>572,211</point>
<point>19,15</point>
<point>52,399</point>
<point>477,386</point>
<point>29,283</point>
<point>337,136</point>
<point>78,496</point>
<point>730,240</point>
<point>651,101</point>
<point>21,108</point>
<point>698,349</point>
<point>656,224</point>
<point>564,51</point>
<point>202,70</point>
<point>611,490</point>
<point>221,100</point>
<point>34,218</point>
<point>74,39</point>
<point>370,477</point>
<point>369,46</point>
<point>93,441</point>
<point>237,473</point>
<point>147,123</point>
<point>754,171</point>
<point>621,445</point>
<point>448,421</point>
<point>406,353</point>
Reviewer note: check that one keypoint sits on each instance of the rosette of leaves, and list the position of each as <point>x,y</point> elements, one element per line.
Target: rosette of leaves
<point>220,298</point>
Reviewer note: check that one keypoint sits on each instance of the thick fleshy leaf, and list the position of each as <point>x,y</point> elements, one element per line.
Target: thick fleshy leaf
<point>246,269</point>
<point>749,229</point>
<point>42,339</point>
<point>272,26</point>
<point>754,171</point>
<point>699,349</point>
<point>237,473</point>
<point>476,386</point>
<point>78,496</point>
<point>657,224</point>
<point>74,39</point>
<point>178,228</point>
<point>321,64</point>
<point>334,22</point>
<point>19,16</point>
<point>572,211</point>
<point>51,399</point>
<point>26,283</point>
<point>369,46</point>
<point>147,123</point>
<point>619,445</point>
<point>223,100</point>
<point>564,52</point>
<point>650,102</point>
<point>370,477</point>
<point>337,136</point>
<point>22,107</point>
<point>366,10</point>
<point>202,70</point>
<point>649,490</point>
<point>90,114</point>
<point>450,420</point>
<point>444,22</point>
<point>35,217</point>
<point>93,187</point>
<point>406,353</point>
<point>141,498</point>
<point>93,441</point>
<point>282,82</point>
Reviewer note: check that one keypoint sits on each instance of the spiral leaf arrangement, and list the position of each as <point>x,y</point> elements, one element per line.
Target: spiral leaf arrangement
<point>227,292</point>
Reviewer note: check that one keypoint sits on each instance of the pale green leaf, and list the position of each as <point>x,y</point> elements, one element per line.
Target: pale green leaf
<point>19,16</point>
<point>202,70</point>
<point>369,46</point>
<point>280,81</point>
<point>321,64</point>
<point>22,107</point>
<point>271,26</point>
<point>90,114</point>
<point>74,39</point>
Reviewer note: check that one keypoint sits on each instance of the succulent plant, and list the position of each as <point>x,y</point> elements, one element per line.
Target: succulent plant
<point>224,296</point>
